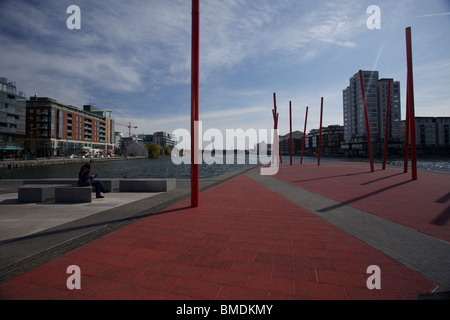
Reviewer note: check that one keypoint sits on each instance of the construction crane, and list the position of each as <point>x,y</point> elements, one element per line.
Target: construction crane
<point>129,126</point>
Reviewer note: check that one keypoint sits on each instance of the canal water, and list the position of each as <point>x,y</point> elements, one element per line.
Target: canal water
<point>165,168</point>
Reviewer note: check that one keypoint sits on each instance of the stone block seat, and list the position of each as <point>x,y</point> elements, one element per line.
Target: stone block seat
<point>110,184</point>
<point>54,181</point>
<point>38,192</point>
<point>73,194</point>
<point>147,185</point>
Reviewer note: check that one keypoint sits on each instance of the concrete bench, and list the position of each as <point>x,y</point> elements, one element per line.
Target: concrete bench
<point>67,181</point>
<point>38,192</point>
<point>147,185</point>
<point>110,184</point>
<point>73,194</point>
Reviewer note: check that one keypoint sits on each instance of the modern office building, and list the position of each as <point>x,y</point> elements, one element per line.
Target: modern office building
<point>12,118</point>
<point>376,92</point>
<point>57,129</point>
<point>432,135</point>
<point>146,138</point>
<point>164,139</point>
<point>118,136</point>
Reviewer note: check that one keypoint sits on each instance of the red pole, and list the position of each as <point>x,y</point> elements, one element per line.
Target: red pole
<point>369,140</point>
<point>412,118</point>
<point>275,118</point>
<point>304,136</point>
<point>195,71</point>
<point>290,126</point>
<point>320,131</point>
<point>387,125</point>
<point>405,156</point>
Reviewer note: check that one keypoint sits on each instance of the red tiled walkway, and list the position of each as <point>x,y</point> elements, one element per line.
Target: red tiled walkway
<point>422,205</point>
<point>243,242</point>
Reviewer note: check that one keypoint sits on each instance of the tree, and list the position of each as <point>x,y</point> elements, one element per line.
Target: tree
<point>153,150</point>
<point>167,151</point>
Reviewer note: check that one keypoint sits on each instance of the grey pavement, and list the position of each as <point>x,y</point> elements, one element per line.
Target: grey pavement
<point>422,253</point>
<point>18,220</point>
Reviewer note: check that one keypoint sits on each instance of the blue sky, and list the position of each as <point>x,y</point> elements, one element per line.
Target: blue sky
<point>133,57</point>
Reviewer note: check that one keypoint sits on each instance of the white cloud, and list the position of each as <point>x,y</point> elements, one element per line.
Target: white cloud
<point>127,51</point>
<point>88,70</point>
<point>121,45</point>
<point>235,31</point>
<point>431,15</point>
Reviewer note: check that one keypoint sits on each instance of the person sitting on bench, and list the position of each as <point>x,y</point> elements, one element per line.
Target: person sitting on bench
<point>85,178</point>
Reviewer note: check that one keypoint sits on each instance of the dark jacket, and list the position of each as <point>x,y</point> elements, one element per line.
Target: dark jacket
<point>84,177</point>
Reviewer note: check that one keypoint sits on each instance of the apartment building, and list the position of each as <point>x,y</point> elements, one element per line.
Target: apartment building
<point>376,92</point>
<point>432,135</point>
<point>332,139</point>
<point>57,129</point>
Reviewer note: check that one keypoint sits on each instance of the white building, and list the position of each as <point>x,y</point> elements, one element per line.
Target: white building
<point>136,149</point>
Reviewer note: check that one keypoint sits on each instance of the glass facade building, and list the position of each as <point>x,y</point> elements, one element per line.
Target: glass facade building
<point>12,118</point>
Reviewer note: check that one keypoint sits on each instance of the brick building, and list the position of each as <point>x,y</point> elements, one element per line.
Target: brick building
<point>57,129</point>
<point>332,139</point>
